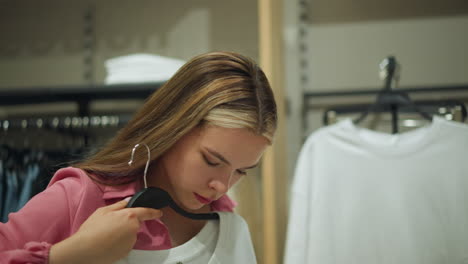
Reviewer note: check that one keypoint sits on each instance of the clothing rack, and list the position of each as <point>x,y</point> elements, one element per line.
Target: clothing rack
<point>76,128</point>
<point>82,95</point>
<point>25,168</point>
<point>388,99</point>
<point>308,97</point>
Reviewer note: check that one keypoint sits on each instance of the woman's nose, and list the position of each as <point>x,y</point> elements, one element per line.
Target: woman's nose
<point>220,184</point>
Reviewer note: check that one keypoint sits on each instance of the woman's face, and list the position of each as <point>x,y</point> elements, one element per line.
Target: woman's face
<point>203,164</point>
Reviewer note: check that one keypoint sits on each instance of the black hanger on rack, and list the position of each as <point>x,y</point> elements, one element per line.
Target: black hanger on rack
<point>389,100</point>
<point>157,198</point>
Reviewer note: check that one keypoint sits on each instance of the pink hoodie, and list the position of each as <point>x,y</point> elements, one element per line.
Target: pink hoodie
<point>58,212</point>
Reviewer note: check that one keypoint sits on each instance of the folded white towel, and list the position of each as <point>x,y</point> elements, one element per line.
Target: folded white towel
<point>140,67</point>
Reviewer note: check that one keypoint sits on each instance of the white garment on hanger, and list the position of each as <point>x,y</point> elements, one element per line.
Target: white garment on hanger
<point>226,241</point>
<point>365,197</point>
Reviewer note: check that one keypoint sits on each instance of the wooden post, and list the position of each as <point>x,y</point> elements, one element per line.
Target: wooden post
<point>274,176</point>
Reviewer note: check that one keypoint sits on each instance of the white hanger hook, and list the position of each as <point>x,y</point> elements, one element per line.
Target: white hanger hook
<point>147,162</point>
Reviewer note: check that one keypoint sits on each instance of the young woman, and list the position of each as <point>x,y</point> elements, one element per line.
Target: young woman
<point>204,128</point>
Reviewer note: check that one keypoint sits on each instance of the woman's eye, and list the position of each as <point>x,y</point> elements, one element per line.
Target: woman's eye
<point>213,164</point>
<point>242,172</point>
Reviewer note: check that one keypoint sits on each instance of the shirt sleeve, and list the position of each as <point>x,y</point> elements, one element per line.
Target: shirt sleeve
<point>45,220</point>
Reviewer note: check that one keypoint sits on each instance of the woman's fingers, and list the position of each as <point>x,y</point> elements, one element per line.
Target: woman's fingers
<point>111,228</point>
<point>141,213</point>
<point>144,214</point>
<point>115,206</point>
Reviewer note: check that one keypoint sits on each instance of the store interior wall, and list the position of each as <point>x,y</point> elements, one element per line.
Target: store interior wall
<point>42,42</point>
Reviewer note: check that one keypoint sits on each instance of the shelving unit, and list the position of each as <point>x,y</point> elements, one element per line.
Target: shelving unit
<point>80,94</point>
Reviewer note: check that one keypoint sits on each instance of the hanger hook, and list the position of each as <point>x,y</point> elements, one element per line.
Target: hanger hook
<point>147,162</point>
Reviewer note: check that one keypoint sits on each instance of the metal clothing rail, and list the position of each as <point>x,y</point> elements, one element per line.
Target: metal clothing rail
<point>81,95</point>
<point>309,96</point>
<point>77,127</point>
<point>65,122</point>
<point>443,89</point>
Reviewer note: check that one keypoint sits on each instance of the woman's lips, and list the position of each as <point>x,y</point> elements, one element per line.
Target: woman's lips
<point>202,199</point>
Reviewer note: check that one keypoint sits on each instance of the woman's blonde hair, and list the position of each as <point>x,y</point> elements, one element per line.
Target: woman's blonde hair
<point>220,88</point>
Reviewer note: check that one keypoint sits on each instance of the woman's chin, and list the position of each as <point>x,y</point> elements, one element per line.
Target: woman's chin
<point>196,207</point>
<point>193,206</point>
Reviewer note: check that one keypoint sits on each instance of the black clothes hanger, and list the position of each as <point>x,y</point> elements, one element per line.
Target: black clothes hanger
<point>389,100</point>
<point>157,198</point>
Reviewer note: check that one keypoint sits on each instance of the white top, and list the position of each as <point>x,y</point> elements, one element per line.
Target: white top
<point>225,241</point>
<point>361,196</point>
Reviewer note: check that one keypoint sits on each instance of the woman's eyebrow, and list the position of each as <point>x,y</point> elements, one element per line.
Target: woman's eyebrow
<point>219,156</point>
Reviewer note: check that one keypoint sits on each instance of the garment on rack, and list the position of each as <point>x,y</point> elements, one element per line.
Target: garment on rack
<point>361,196</point>
<point>11,193</point>
<point>23,174</point>
<point>31,176</point>
<point>2,187</point>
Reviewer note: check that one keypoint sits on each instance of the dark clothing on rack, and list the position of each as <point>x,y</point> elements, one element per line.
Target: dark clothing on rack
<point>23,174</point>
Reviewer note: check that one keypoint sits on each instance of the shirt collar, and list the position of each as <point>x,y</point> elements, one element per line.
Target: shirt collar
<point>120,191</point>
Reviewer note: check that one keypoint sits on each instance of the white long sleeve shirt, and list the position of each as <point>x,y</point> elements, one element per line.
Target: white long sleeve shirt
<point>361,196</point>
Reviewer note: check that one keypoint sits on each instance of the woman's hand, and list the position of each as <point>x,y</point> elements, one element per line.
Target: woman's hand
<point>105,237</point>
